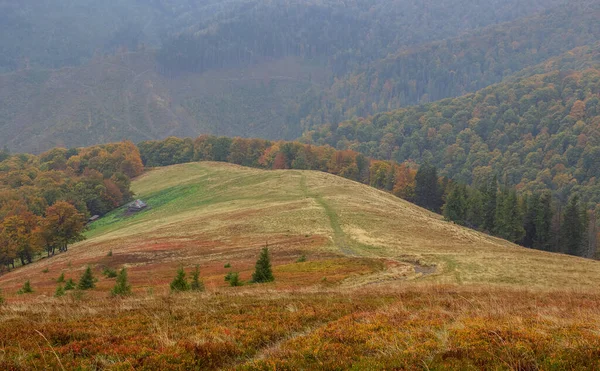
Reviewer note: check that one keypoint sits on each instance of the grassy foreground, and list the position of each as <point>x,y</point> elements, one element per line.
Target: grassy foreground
<point>385,284</point>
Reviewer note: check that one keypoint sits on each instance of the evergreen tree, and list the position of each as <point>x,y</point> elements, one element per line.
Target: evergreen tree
<point>234,279</point>
<point>122,287</point>
<point>532,210</point>
<point>475,209</point>
<point>455,208</point>
<point>572,228</point>
<point>509,219</point>
<point>543,223</point>
<point>1,298</point>
<point>60,291</point>
<point>87,280</point>
<point>69,285</point>
<point>26,289</point>
<point>490,203</point>
<point>427,193</point>
<point>197,284</point>
<point>180,283</point>
<point>263,271</point>
<point>61,278</point>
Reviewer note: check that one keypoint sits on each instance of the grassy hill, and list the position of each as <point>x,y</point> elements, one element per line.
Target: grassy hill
<point>374,264</point>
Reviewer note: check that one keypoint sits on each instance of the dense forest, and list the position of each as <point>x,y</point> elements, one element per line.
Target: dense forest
<point>538,133</point>
<point>45,200</point>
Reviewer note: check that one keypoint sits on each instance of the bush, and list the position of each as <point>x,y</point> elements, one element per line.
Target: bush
<point>228,265</point>
<point>46,270</point>
<point>122,287</point>
<point>1,298</point>
<point>197,284</point>
<point>301,259</point>
<point>180,283</point>
<point>109,273</point>
<point>69,285</point>
<point>234,279</point>
<point>61,278</point>
<point>109,253</point>
<point>26,289</point>
<point>263,271</point>
<point>87,280</point>
<point>60,291</point>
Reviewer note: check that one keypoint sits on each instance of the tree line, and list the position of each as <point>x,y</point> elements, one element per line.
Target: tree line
<point>534,220</point>
<point>46,200</point>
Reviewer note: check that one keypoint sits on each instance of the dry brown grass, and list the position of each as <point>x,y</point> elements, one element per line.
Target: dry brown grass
<point>385,285</point>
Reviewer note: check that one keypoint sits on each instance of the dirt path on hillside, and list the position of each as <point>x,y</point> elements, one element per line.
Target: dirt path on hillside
<point>340,239</point>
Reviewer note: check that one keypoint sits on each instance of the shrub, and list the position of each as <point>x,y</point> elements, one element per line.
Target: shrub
<point>234,279</point>
<point>180,283</point>
<point>122,287</point>
<point>1,298</point>
<point>228,265</point>
<point>263,272</point>
<point>87,280</point>
<point>61,278</point>
<point>109,253</point>
<point>60,291</point>
<point>197,284</point>
<point>26,289</point>
<point>301,259</point>
<point>109,273</point>
<point>69,285</point>
<point>46,270</point>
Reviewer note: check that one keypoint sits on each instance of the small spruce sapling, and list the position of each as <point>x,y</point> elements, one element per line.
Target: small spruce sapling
<point>180,283</point>
<point>197,284</point>
<point>60,291</point>
<point>263,272</point>
<point>301,259</point>
<point>234,279</point>
<point>228,265</point>
<point>61,278</point>
<point>26,289</point>
<point>109,273</point>
<point>69,285</point>
<point>87,280</point>
<point>122,287</point>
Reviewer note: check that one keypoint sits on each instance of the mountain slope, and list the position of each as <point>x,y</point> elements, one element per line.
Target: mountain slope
<point>124,96</point>
<point>385,285</point>
<point>213,213</point>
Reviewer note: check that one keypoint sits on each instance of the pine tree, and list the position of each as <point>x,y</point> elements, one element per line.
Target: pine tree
<point>60,291</point>
<point>61,278</point>
<point>572,228</point>
<point>543,223</point>
<point>263,272</point>
<point>26,289</point>
<point>180,283</point>
<point>122,287</point>
<point>427,193</point>
<point>234,279</point>
<point>69,285</point>
<point>1,298</point>
<point>475,210</point>
<point>509,218</point>
<point>87,280</point>
<point>490,201</point>
<point>197,284</point>
<point>455,208</point>
<point>532,210</point>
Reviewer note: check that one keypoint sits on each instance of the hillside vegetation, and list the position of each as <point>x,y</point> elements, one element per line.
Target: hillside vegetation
<point>535,133</point>
<point>373,264</point>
